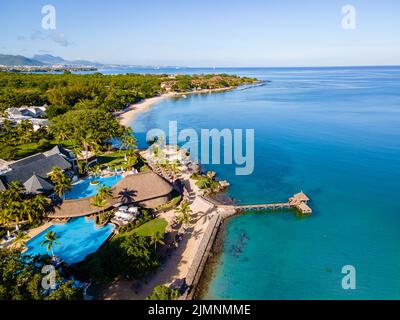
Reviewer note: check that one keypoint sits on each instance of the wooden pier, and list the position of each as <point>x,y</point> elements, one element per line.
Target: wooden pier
<point>299,201</point>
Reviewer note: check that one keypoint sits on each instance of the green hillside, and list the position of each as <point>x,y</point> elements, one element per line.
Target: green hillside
<point>11,60</point>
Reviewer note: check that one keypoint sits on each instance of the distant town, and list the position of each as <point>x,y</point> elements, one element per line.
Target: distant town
<point>53,68</point>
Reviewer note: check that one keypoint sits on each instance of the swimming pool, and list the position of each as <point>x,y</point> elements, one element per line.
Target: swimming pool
<point>83,188</point>
<point>77,239</point>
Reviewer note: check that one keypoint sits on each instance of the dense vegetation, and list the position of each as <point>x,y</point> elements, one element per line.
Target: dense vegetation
<point>21,279</point>
<point>208,182</point>
<point>108,92</point>
<point>16,206</point>
<point>81,106</point>
<point>162,292</point>
<point>129,256</point>
<point>21,140</point>
<point>132,252</point>
<point>81,114</point>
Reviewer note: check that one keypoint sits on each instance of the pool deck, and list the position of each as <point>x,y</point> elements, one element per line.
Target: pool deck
<point>31,234</point>
<point>131,189</point>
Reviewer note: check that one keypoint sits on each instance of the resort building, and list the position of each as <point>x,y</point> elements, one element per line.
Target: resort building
<point>33,171</point>
<point>33,114</point>
<point>146,189</point>
<point>88,156</point>
<point>158,153</point>
<point>26,111</point>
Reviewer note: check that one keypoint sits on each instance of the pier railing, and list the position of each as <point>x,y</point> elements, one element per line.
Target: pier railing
<point>298,201</point>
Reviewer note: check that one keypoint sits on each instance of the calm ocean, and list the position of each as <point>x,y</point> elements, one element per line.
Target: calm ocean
<point>333,133</point>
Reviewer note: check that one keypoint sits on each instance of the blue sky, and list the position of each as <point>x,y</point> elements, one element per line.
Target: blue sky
<point>206,33</point>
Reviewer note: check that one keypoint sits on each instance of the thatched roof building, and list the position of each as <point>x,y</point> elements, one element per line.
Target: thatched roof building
<point>147,189</point>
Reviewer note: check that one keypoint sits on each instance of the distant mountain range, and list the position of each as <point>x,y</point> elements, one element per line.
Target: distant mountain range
<point>10,60</point>
<point>42,60</point>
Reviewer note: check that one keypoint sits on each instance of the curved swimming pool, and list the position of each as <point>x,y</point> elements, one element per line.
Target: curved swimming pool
<point>83,188</point>
<point>77,239</point>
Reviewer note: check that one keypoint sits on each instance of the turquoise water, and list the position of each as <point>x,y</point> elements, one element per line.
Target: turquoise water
<point>83,188</point>
<point>78,238</point>
<point>332,132</point>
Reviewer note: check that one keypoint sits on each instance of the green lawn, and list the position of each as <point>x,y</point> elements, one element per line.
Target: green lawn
<point>150,228</point>
<point>112,159</point>
<point>27,149</point>
<point>116,160</point>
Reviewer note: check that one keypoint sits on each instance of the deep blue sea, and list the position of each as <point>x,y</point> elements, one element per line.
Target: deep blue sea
<point>333,133</point>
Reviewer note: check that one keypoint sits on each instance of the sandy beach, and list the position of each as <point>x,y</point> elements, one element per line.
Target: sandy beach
<point>176,267</point>
<point>129,114</point>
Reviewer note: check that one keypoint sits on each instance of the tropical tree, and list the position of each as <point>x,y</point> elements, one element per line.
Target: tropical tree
<point>89,143</point>
<point>26,211</point>
<point>24,130</point>
<point>50,240</point>
<point>55,174</point>
<point>104,192</point>
<point>62,183</point>
<point>14,190</point>
<point>21,238</point>
<point>128,142</point>
<point>89,128</point>
<point>174,167</point>
<point>132,160</point>
<point>211,175</point>
<point>207,182</point>
<point>157,238</point>
<point>39,206</point>
<point>98,202</point>
<point>78,153</point>
<point>16,206</point>
<point>183,212</point>
<point>96,171</point>
<point>21,278</point>
<point>162,292</point>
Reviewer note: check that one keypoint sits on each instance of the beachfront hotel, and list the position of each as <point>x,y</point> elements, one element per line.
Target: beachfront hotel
<point>33,171</point>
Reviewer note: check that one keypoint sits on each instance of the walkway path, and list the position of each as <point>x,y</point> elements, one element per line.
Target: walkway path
<point>177,265</point>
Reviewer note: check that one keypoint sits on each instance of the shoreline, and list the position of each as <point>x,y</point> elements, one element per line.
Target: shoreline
<point>129,114</point>
<point>211,263</point>
<point>184,263</point>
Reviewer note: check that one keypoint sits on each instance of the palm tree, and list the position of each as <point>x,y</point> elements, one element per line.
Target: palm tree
<point>6,216</point>
<point>62,182</point>
<point>89,143</point>
<point>104,192</point>
<point>55,173</point>
<point>96,171</point>
<point>63,185</point>
<point>174,167</point>
<point>24,130</point>
<point>78,153</point>
<point>183,213</point>
<point>99,202</point>
<point>21,238</point>
<point>132,161</point>
<point>211,175</point>
<point>26,211</point>
<point>50,240</point>
<point>39,205</point>
<point>156,238</point>
<point>14,191</point>
<point>128,142</point>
